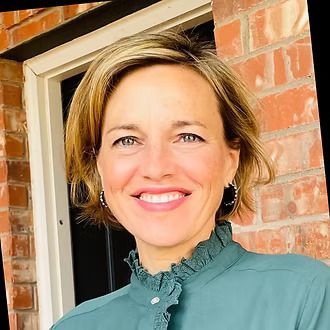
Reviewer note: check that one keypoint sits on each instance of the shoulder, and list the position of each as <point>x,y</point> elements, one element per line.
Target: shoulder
<point>92,306</point>
<point>294,282</point>
<point>295,264</point>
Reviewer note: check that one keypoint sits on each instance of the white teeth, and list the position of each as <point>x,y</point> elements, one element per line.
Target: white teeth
<point>160,198</point>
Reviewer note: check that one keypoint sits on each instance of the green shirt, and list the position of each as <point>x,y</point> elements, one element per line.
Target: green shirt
<point>222,286</point>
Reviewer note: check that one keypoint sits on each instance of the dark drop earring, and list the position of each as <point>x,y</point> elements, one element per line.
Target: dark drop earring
<point>230,195</point>
<point>102,199</point>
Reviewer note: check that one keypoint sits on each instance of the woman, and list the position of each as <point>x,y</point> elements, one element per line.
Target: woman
<point>161,140</point>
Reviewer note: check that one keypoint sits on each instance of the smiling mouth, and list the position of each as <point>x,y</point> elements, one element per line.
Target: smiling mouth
<point>161,198</point>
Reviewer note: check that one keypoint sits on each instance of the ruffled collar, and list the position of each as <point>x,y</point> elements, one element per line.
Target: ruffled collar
<point>203,254</point>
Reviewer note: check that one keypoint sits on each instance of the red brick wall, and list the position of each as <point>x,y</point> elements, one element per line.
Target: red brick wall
<point>19,26</point>
<point>16,229</point>
<point>268,43</point>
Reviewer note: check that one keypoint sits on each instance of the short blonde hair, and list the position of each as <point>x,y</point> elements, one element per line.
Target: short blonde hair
<point>85,119</point>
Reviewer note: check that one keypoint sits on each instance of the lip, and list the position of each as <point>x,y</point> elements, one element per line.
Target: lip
<point>160,190</point>
<point>160,207</point>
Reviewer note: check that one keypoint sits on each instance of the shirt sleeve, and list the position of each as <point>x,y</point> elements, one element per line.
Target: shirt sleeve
<point>316,310</point>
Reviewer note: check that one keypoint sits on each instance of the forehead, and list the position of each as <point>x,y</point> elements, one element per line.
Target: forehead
<point>160,91</point>
<point>165,72</point>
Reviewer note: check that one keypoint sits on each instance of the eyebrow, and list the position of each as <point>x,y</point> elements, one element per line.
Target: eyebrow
<point>175,124</point>
<point>184,123</point>
<point>129,127</point>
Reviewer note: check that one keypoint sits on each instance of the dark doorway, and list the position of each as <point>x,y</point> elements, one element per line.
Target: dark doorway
<point>98,252</point>
<point>317,20</point>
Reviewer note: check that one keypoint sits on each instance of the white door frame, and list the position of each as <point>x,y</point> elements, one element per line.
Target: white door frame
<point>43,75</point>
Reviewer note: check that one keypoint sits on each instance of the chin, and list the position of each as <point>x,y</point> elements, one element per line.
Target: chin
<point>163,231</point>
<point>163,237</point>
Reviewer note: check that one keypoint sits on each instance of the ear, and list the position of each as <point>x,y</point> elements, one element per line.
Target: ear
<point>232,164</point>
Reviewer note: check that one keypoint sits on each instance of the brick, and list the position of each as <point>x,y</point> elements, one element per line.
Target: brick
<point>304,196</point>
<point>18,171</point>
<point>2,144</point>
<point>293,107</point>
<point>18,196</point>
<point>5,225</point>
<point>4,196</point>
<point>26,149</point>
<point>15,121</point>
<point>24,321</point>
<point>21,221</point>
<point>20,297</point>
<point>24,14</point>
<point>50,20</point>
<point>71,11</point>
<point>223,8</point>
<point>12,320</point>
<point>257,71</point>
<point>27,31</point>
<point>15,245</point>
<point>270,241</point>
<point>313,239</point>
<point>263,71</point>
<point>8,19</point>
<point>277,67</point>
<point>4,39</point>
<point>278,22</point>
<point>10,95</point>
<point>246,239</point>
<point>14,145</point>
<point>228,40</point>
<point>37,10</point>
<point>7,270</point>
<point>35,299</point>
<point>296,152</point>
<point>316,154</point>
<point>11,70</point>
<point>310,239</point>
<point>74,10</point>
<point>20,271</point>
<point>300,58</point>
<point>36,26</point>
<point>2,120</point>
<point>32,246</point>
<point>3,171</point>
<point>280,75</point>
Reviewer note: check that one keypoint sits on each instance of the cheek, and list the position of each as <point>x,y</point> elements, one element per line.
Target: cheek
<point>116,173</point>
<point>205,168</point>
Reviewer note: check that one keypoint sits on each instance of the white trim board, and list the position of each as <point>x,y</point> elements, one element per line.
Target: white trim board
<point>43,76</point>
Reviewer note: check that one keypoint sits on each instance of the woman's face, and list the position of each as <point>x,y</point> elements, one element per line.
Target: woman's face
<point>164,161</point>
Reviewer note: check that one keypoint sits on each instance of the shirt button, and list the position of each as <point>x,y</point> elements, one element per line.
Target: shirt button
<point>155,300</point>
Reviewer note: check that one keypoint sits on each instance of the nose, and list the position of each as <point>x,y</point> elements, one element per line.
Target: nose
<point>158,162</point>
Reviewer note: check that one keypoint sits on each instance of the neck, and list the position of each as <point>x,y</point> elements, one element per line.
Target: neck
<point>155,259</point>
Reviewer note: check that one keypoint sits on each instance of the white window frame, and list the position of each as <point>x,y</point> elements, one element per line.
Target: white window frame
<point>43,75</point>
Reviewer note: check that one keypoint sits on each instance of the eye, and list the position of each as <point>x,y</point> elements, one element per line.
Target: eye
<point>125,141</point>
<point>191,138</point>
